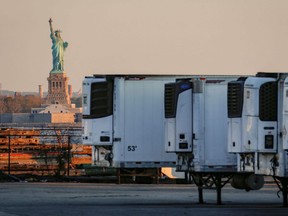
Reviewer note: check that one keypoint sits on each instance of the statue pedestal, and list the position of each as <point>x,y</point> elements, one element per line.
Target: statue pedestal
<point>58,88</point>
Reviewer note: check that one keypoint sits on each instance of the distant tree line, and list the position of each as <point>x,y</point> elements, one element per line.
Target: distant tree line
<point>19,104</point>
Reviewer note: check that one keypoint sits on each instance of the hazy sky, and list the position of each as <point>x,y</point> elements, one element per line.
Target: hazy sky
<point>141,36</point>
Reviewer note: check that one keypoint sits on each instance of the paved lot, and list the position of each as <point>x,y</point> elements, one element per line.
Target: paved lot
<point>109,199</point>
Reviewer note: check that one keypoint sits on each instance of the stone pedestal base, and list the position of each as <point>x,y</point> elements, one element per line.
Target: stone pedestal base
<point>58,88</point>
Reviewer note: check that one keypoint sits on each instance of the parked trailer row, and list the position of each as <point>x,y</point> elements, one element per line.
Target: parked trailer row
<point>245,118</point>
<point>186,122</point>
<point>124,120</point>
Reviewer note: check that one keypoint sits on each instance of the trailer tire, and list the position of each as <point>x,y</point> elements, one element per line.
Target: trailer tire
<point>254,182</point>
<point>238,182</point>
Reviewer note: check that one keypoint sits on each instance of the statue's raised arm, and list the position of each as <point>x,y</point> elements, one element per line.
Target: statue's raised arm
<point>58,48</point>
<point>51,28</point>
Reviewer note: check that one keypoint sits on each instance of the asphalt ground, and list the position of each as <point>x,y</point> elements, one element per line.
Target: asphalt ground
<point>76,199</point>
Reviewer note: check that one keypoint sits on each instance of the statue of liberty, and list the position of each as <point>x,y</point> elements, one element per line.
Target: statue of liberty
<point>58,48</point>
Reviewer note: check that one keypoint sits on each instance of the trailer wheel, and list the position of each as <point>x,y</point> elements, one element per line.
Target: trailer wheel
<point>247,182</point>
<point>238,182</point>
<point>254,182</point>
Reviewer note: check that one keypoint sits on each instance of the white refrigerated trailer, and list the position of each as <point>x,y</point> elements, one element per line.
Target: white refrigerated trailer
<point>258,122</point>
<point>196,129</point>
<point>123,120</point>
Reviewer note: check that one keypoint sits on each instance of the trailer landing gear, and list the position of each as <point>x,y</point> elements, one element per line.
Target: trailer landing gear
<point>211,181</point>
<point>282,184</point>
